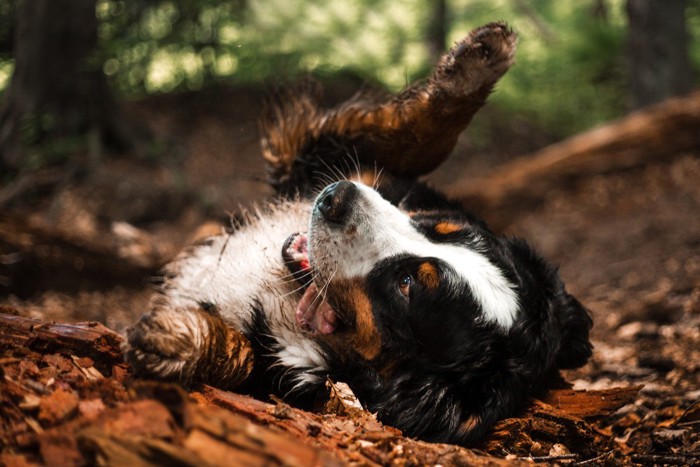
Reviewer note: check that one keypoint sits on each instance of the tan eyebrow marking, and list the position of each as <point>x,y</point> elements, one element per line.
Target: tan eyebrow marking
<point>428,275</point>
<point>444,228</point>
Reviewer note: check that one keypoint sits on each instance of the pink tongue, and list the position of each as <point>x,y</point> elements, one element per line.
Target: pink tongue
<point>315,314</point>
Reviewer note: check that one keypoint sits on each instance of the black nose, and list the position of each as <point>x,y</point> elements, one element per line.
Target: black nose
<point>335,201</point>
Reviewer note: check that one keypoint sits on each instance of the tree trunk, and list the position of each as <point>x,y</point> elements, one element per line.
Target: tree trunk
<point>436,36</point>
<point>58,98</point>
<point>659,66</point>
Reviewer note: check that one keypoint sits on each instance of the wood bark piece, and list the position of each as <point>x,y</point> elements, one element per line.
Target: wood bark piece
<point>537,431</point>
<point>591,404</point>
<point>559,419</point>
<point>656,132</point>
<point>89,339</point>
<point>174,430</point>
<point>358,438</point>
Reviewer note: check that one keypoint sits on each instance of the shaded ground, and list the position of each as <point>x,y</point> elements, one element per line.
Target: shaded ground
<point>628,244</point>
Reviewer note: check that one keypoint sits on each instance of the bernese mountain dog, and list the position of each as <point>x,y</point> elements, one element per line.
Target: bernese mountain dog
<point>362,274</point>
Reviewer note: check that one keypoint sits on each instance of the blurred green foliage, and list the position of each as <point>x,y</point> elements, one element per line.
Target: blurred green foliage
<point>7,14</point>
<point>163,46</point>
<point>569,73</point>
<point>570,63</point>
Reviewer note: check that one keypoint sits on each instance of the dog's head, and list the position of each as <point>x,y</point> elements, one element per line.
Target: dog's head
<point>458,325</point>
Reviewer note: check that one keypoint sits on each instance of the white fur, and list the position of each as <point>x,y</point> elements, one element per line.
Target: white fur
<point>383,231</point>
<point>240,271</point>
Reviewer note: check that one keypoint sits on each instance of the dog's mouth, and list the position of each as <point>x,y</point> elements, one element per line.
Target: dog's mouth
<point>313,313</point>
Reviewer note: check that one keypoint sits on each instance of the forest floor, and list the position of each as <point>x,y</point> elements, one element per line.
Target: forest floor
<point>627,242</point>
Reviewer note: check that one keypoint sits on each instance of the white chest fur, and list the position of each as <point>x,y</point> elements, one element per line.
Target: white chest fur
<point>243,271</point>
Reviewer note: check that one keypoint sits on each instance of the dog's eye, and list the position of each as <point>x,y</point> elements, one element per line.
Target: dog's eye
<point>405,284</point>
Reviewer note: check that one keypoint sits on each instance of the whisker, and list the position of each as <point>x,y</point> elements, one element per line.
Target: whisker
<point>322,292</point>
<point>377,176</point>
<point>291,277</point>
<point>356,162</point>
<point>334,170</point>
<point>293,291</point>
<point>324,178</point>
<point>341,174</point>
<point>346,163</point>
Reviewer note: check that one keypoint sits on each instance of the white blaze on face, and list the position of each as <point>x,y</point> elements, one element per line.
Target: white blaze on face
<point>377,230</point>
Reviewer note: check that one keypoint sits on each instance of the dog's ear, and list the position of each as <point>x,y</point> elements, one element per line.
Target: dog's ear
<point>558,326</point>
<point>575,324</point>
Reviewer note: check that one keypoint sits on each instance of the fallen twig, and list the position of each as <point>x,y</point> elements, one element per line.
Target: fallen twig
<point>561,457</point>
<point>594,459</point>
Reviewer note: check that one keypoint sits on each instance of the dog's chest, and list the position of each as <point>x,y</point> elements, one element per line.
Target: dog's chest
<point>244,270</point>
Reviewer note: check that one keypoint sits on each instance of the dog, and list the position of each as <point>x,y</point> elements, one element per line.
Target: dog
<point>360,273</point>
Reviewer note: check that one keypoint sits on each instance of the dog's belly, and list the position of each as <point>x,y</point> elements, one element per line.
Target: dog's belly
<point>242,272</point>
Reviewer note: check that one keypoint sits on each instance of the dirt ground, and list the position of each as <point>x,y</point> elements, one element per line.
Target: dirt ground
<point>627,242</point>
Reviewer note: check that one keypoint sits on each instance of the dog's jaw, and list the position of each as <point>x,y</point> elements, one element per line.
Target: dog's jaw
<point>313,314</point>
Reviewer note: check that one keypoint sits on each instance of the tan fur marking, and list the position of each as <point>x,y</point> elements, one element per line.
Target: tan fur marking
<point>444,228</point>
<point>428,276</point>
<point>206,230</point>
<point>365,339</point>
<point>368,341</point>
<point>469,424</point>
<point>227,358</point>
<point>368,177</point>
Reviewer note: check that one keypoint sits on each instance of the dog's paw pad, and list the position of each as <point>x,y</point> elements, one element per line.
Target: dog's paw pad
<point>478,60</point>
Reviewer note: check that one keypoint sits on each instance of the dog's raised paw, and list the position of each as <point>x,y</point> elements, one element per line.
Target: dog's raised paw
<point>478,60</point>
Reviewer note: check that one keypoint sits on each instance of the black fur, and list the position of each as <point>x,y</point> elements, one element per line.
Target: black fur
<point>441,366</point>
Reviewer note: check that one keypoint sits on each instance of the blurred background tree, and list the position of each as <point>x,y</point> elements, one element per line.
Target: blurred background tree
<point>579,63</point>
<point>659,64</point>
<point>58,90</point>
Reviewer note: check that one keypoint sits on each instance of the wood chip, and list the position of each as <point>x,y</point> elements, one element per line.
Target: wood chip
<point>341,401</point>
<point>58,406</point>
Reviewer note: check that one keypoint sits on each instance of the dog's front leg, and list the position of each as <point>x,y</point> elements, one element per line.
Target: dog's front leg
<point>409,134</point>
<point>189,345</point>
